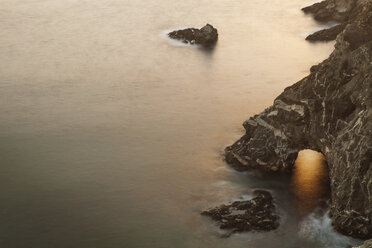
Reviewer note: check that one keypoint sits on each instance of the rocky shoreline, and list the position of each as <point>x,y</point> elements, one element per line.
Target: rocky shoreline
<point>328,111</point>
<point>343,12</point>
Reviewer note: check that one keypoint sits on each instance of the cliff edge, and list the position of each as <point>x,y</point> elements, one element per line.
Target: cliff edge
<point>328,111</point>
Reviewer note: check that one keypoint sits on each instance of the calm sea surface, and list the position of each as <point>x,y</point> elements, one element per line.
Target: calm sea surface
<point>111,135</point>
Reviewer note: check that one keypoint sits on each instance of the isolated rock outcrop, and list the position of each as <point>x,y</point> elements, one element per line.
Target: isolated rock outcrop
<point>206,36</point>
<point>328,111</point>
<point>257,214</point>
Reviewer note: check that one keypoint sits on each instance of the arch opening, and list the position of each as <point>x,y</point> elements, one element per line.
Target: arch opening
<point>310,181</point>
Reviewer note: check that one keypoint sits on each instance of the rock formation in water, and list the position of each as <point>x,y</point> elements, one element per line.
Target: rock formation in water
<point>206,36</point>
<point>341,11</point>
<point>327,34</point>
<point>257,214</point>
<point>334,10</point>
<point>328,111</point>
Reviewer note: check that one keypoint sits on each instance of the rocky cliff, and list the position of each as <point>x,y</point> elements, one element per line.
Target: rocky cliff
<point>328,111</point>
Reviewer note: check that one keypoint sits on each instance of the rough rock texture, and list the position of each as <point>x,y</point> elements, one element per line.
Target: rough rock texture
<point>366,244</point>
<point>257,214</point>
<point>332,10</point>
<point>206,36</point>
<point>343,11</point>
<point>328,111</point>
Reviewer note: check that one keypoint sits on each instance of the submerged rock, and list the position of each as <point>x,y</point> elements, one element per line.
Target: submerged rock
<point>205,36</point>
<point>328,111</point>
<point>257,214</point>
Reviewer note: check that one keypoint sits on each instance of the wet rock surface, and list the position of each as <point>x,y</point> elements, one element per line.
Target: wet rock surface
<point>257,214</point>
<point>328,111</point>
<point>206,36</point>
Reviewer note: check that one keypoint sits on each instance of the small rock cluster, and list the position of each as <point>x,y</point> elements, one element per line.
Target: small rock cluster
<point>206,36</point>
<point>257,214</point>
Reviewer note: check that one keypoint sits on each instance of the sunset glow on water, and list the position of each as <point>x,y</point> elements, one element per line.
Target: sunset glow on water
<point>111,135</point>
<point>310,180</point>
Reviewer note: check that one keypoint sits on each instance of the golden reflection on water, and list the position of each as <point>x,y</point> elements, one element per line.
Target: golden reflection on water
<point>310,182</point>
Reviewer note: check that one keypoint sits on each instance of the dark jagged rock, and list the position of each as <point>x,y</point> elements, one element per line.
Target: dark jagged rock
<point>328,111</point>
<point>206,36</point>
<point>257,214</point>
<point>332,10</point>
<point>326,34</point>
<point>343,11</point>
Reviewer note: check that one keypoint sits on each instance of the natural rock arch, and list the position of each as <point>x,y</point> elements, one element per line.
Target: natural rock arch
<point>328,111</point>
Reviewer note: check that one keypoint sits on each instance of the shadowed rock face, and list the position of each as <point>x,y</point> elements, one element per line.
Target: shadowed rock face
<point>257,214</point>
<point>328,111</point>
<point>332,10</point>
<point>206,36</point>
<point>342,11</point>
